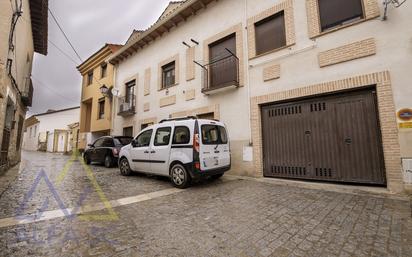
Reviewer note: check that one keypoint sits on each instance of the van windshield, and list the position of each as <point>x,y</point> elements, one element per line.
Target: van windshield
<point>213,135</point>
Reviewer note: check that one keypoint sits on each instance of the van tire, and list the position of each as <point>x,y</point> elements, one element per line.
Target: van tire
<point>124,167</point>
<point>179,176</point>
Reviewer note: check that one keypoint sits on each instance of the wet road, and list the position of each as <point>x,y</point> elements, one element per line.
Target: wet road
<point>146,216</point>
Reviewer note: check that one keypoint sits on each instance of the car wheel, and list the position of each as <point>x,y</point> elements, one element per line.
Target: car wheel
<point>217,176</point>
<point>108,161</point>
<point>86,159</point>
<point>124,167</point>
<point>179,176</point>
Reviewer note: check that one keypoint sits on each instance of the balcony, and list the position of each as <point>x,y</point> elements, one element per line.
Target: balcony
<point>220,75</point>
<point>126,106</point>
<point>27,93</point>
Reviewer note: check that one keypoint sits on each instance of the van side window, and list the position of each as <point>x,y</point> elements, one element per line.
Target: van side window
<point>181,135</point>
<point>143,140</point>
<point>162,136</point>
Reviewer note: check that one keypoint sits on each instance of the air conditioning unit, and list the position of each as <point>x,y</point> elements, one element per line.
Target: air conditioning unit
<point>407,170</point>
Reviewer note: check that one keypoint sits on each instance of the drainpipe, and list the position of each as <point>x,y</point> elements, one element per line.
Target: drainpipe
<point>246,58</point>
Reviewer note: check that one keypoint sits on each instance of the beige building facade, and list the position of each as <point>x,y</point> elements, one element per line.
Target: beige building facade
<point>308,90</point>
<point>23,31</point>
<point>96,108</point>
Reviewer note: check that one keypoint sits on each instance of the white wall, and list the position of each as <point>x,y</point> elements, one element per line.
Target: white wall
<point>49,123</point>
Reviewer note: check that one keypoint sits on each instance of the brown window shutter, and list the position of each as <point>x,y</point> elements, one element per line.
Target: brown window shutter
<point>336,12</point>
<point>270,33</point>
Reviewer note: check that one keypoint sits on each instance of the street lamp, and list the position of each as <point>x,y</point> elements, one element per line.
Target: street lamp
<point>105,91</point>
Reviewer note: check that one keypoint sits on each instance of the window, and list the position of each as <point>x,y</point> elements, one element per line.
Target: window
<point>162,136</point>
<point>31,132</point>
<point>213,135</point>
<point>143,140</point>
<point>181,135</point>
<point>130,91</point>
<point>99,142</point>
<point>103,70</point>
<point>270,33</point>
<point>35,131</point>
<point>90,78</point>
<point>122,141</point>
<point>168,75</point>
<point>102,102</point>
<point>223,66</point>
<point>128,132</point>
<point>335,13</point>
<point>108,142</point>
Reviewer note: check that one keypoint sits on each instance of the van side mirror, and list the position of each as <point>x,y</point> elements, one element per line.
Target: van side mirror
<point>90,145</point>
<point>134,143</point>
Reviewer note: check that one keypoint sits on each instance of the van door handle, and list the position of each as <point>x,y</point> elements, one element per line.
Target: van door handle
<point>153,151</point>
<point>146,151</point>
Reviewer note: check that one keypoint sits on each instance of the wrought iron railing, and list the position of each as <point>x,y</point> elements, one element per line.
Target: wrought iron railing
<point>27,93</point>
<point>126,105</point>
<point>220,73</point>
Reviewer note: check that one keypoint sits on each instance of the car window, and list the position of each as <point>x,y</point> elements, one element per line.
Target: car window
<point>181,135</point>
<point>108,142</point>
<point>223,135</point>
<point>99,142</point>
<point>143,139</point>
<point>123,140</point>
<point>162,136</point>
<point>213,134</point>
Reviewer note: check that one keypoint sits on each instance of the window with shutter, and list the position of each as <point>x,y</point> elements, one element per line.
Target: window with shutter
<point>270,33</point>
<point>335,13</point>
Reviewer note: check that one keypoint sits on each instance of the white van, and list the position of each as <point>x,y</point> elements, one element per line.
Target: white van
<point>183,149</point>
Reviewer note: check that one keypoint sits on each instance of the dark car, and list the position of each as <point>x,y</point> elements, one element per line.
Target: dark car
<point>105,150</point>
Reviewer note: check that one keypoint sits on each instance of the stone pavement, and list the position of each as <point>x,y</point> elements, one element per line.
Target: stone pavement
<point>229,217</point>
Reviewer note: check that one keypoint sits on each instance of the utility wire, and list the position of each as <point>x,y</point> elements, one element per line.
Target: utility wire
<point>64,34</point>
<point>56,93</point>
<point>63,52</point>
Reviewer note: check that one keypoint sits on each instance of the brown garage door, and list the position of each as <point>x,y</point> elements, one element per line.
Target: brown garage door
<point>332,138</point>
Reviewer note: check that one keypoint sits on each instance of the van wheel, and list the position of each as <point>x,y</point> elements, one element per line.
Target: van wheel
<point>125,167</point>
<point>86,159</point>
<point>108,161</point>
<point>179,176</point>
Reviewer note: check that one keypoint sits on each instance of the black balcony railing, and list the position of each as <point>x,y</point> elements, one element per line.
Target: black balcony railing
<point>27,93</point>
<point>127,105</point>
<point>220,74</point>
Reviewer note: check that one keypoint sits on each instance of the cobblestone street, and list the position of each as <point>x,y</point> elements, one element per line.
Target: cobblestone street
<point>228,217</point>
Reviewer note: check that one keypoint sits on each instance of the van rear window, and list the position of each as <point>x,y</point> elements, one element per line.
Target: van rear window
<point>213,135</point>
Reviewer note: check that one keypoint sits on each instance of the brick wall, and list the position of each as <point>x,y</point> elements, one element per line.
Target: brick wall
<point>198,111</point>
<point>387,118</point>
<point>287,7</point>
<point>190,65</point>
<point>147,78</point>
<point>166,101</point>
<point>146,107</point>
<point>271,72</point>
<point>190,94</point>
<point>348,52</point>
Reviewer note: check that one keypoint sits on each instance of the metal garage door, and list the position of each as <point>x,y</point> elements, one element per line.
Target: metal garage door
<point>332,138</point>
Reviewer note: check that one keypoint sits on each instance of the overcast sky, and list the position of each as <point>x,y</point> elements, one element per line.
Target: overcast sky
<point>89,24</point>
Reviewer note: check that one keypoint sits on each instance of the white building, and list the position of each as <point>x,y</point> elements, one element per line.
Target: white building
<point>314,89</point>
<point>50,131</point>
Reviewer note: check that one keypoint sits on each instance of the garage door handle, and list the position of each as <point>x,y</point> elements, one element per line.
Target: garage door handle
<point>348,141</point>
<point>308,132</point>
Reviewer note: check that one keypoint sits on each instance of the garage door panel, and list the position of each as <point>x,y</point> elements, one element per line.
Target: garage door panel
<point>333,138</point>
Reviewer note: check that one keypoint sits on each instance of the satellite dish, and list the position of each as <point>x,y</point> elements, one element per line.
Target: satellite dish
<point>116,92</point>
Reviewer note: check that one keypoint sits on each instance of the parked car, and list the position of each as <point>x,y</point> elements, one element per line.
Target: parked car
<point>105,150</point>
<point>182,149</point>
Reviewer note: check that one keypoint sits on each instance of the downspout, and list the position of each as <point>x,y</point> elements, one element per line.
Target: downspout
<point>246,56</point>
<point>113,100</point>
